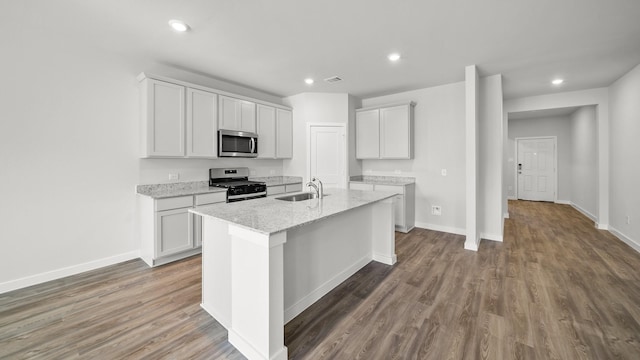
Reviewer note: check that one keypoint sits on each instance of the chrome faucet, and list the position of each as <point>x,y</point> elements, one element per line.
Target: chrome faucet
<point>319,187</point>
<point>315,187</point>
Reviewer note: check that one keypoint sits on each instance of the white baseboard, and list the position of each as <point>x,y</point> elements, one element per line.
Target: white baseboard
<point>600,226</point>
<point>492,237</point>
<point>67,271</point>
<point>512,198</point>
<point>627,240</point>
<point>584,212</point>
<point>505,215</point>
<point>470,245</point>
<point>295,309</point>
<point>563,202</point>
<point>441,228</point>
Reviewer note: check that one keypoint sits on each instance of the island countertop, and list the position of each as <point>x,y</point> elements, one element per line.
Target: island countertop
<point>270,215</point>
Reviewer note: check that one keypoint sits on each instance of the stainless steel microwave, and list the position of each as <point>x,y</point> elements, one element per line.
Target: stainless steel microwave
<point>237,143</point>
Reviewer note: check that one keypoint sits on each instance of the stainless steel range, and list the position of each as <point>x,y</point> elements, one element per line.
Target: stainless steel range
<point>236,181</point>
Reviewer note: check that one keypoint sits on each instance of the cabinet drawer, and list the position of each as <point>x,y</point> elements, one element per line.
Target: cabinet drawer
<point>275,190</point>
<point>174,203</point>
<point>293,187</point>
<point>360,186</point>
<point>391,188</point>
<point>211,198</point>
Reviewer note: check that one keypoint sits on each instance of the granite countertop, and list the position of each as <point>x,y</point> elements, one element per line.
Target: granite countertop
<point>269,215</point>
<point>161,191</point>
<point>383,180</point>
<point>277,180</point>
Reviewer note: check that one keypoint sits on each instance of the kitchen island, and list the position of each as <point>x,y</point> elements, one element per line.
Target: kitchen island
<point>266,260</point>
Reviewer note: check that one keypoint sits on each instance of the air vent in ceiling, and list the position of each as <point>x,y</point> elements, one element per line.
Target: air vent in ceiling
<point>333,79</point>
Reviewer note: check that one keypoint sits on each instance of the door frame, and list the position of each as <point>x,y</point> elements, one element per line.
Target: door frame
<point>555,163</point>
<point>345,149</point>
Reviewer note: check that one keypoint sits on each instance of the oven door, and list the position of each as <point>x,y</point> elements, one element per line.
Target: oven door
<point>237,144</point>
<point>234,198</point>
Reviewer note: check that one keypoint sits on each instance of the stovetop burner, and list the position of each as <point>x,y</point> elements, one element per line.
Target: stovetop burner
<point>237,183</point>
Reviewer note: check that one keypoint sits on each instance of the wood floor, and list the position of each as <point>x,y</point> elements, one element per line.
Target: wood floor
<point>557,288</point>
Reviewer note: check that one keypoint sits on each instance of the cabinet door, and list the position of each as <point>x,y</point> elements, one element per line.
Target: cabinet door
<point>398,202</point>
<point>164,119</point>
<point>173,231</point>
<point>266,132</point>
<point>284,138</point>
<point>395,132</point>
<point>202,127</point>
<point>368,134</point>
<point>247,116</point>
<point>227,113</point>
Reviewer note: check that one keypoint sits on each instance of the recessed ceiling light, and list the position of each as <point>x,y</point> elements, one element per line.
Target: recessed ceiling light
<point>394,57</point>
<point>557,81</point>
<point>178,25</point>
<point>308,81</point>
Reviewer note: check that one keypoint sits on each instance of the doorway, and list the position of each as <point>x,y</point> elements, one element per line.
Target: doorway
<point>327,149</point>
<point>536,170</point>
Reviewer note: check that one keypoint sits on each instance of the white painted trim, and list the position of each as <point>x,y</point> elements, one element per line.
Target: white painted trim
<point>602,226</point>
<point>67,271</point>
<point>505,215</point>
<point>295,309</point>
<point>251,352</point>
<point>492,237</point>
<point>447,229</point>
<point>555,162</point>
<point>512,198</point>
<point>563,202</point>
<point>470,245</point>
<point>584,212</point>
<point>627,240</point>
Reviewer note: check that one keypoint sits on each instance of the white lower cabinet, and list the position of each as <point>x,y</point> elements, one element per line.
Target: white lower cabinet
<point>167,230</point>
<point>404,202</point>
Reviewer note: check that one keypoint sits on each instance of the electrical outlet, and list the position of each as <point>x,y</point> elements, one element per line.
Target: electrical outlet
<point>443,172</point>
<point>628,219</point>
<point>397,172</point>
<point>252,172</point>
<point>272,172</point>
<point>174,176</point>
<point>436,210</point>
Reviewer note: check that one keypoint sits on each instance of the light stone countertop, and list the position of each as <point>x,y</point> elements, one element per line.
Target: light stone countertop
<point>161,191</point>
<point>383,180</point>
<point>277,180</point>
<point>269,215</point>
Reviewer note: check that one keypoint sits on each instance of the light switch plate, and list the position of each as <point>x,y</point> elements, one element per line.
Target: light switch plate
<point>443,172</point>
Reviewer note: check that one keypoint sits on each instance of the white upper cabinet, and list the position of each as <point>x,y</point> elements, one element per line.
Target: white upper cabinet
<point>275,131</point>
<point>368,134</point>
<point>284,131</point>
<point>395,132</point>
<point>181,120</point>
<point>385,132</point>
<point>163,129</point>
<point>202,127</point>
<point>236,114</point>
<point>266,132</point>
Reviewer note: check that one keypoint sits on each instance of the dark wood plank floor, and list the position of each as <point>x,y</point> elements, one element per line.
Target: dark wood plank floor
<point>557,288</point>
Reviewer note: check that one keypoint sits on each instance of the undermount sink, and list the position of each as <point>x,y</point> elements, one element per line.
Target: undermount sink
<point>299,197</point>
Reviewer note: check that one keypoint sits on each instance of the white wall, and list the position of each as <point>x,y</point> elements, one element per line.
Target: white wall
<point>584,164</point>
<point>69,159</point>
<point>558,126</point>
<point>625,147</point>
<point>439,143</point>
<point>313,108</point>
<point>489,172</point>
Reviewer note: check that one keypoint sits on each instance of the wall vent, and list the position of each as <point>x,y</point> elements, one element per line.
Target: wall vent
<point>333,79</point>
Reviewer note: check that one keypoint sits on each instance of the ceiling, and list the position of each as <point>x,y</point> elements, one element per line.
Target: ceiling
<point>274,45</point>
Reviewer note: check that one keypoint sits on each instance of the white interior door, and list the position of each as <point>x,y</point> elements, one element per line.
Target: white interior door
<point>536,169</point>
<point>327,149</point>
